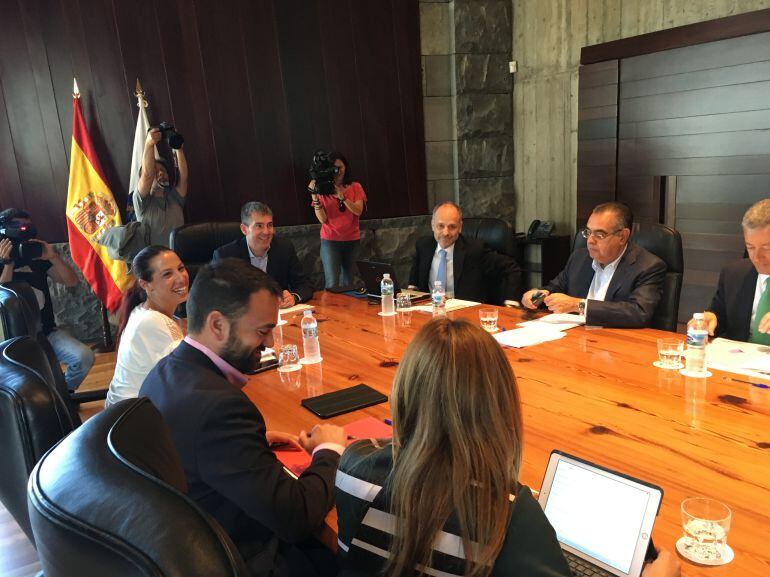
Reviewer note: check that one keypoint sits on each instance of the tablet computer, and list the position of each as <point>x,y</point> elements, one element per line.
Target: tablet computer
<point>602,518</point>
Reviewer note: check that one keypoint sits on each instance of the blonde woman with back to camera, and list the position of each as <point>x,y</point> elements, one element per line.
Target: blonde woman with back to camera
<point>450,475</point>
<point>147,330</point>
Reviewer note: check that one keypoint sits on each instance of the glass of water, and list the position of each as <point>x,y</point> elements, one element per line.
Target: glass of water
<point>403,302</point>
<point>288,359</point>
<point>670,353</point>
<point>488,318</point>
<point>706,523</point>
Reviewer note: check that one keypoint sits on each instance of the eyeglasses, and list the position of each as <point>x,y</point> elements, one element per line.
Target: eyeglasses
<point>597,234</point>
<point>341,204</point>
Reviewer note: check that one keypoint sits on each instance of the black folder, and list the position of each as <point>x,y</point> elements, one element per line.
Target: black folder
<point>344,401</point>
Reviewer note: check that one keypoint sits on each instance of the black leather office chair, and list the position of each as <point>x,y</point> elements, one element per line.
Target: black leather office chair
<point>33,418</point>
<point>109,500</point>
<point>20,317</point>
<point>498,235</point>
<point>665,243</point>
<point>195,243</point>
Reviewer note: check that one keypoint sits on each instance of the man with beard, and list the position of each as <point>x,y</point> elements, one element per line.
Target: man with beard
<point>221,435</point>
<point>158,204</point>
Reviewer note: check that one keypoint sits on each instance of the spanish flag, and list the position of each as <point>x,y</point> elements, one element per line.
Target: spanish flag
<point>91,210</point>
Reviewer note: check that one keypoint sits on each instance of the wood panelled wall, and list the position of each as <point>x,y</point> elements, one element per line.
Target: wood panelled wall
<point>255,86</point>
<point>547,38</point>
<point>700,114</point>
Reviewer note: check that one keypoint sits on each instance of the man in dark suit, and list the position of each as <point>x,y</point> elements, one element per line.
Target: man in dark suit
<point>465,266</point>
<point>611,282</point>
<point>221,435</point>
<point>740,309</point>
<point>274,255</point>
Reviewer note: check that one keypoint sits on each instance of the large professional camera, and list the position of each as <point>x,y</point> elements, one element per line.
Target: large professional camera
<point>19,235</point>
<point>174,139</point>
<point>323,171</point>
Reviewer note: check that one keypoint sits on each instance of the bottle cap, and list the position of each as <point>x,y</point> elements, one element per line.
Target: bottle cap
<point>436,283</point>
<point>386,276</point>
<point>308,312</point>
<point>698,316</point>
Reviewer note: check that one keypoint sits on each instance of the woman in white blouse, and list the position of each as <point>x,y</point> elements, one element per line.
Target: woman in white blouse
<point>147,331</point>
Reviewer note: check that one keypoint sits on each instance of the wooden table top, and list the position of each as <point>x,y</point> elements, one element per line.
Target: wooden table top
<point>593,393</point>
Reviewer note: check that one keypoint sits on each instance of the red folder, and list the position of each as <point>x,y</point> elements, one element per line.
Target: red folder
<point>296,461</point>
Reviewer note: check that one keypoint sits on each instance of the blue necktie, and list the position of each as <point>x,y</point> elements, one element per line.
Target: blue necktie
<point>441,272</point>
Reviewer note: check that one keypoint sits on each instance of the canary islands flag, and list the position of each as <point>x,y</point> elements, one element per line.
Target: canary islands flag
<point>91,210</point>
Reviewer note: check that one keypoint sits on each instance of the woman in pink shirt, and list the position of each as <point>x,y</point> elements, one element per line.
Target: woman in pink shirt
<point>338,214</point>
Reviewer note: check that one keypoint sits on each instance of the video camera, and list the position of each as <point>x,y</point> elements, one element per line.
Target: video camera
<point>174,139</point>
<point>19,235</point>
<point>323,171</point>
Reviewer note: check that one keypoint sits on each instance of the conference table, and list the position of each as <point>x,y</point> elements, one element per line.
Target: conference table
<point>594,394</point>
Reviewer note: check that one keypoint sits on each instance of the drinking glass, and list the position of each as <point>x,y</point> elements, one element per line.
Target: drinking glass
<point>403,302</point>
<point>488,318</point>
<point>706,523</point>
<point>670,353</point>
<point>288,359</point>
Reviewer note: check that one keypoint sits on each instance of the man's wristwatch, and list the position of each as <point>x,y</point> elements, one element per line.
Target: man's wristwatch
<point>582,307</point>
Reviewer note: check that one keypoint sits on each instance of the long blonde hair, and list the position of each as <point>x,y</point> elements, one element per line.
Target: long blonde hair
<point>457,445</point>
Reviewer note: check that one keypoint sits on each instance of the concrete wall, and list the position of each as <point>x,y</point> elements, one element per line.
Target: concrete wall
<point>547,38</point>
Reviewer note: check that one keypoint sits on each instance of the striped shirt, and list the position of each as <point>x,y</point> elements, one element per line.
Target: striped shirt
<point>366,526</point>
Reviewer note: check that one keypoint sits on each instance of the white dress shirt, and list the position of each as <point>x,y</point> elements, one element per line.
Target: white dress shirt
<point>258,261</point>
<point>761,283</point>
<point>602,278</point>
<point>449,289</point>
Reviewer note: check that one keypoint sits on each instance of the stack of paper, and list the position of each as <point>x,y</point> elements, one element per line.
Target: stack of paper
<point>294,309</point>
<point>739,357</point>
<point>527,336</point>
<point>451,305</point>
<point>559,322</point>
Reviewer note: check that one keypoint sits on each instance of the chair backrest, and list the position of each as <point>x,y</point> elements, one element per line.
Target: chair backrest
<point>665,243</point>
<point>497,234</point>
<point>110,500</point>
<point>33,418</point>
<point>20,317</point>
<point>195,243</point>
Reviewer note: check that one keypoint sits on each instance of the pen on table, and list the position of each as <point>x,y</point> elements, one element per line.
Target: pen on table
<point>759,385</point>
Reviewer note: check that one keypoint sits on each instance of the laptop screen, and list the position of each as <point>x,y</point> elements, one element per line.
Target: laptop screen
<point>597,513</point>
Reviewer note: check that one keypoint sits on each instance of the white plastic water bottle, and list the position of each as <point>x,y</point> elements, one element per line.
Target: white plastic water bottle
<point>310,338</point>
<point>438,298</point>
<point>697,338</point>
<point>386,291</point>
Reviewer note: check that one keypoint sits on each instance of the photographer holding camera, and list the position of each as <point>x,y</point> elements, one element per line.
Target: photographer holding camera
<point>337,202</point>
<point>23,261</point>
<point>159,205</point>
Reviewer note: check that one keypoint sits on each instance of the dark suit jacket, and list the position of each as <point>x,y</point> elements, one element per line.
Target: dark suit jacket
<point>734,300</point>
<point>231,472</point>
<point>634,292</point>
<point>282,264</point>
<point>475,267</point>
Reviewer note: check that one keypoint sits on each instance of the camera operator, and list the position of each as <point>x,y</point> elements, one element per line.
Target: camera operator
<point>159,205</point>
<point>338,213</point>
<point>35,272</point>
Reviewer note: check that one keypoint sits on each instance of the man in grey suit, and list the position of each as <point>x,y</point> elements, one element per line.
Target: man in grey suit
<point>611,282</point>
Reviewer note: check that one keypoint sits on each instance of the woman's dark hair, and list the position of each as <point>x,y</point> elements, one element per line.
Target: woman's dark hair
<point>337,155</point>
<point>135,295</point>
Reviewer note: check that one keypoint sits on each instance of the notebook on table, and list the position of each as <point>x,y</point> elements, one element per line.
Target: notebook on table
<point>603,519</point>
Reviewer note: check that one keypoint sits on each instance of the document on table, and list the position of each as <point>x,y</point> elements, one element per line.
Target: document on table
<point>451,305</point>
<point>294,309</point>
<point>560,322</point>
<point>738,357</point>
<point>527,336</point>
